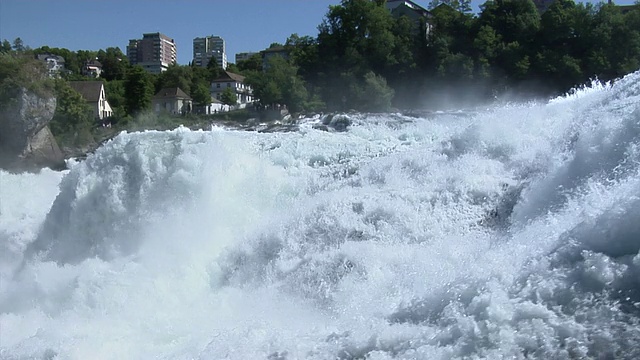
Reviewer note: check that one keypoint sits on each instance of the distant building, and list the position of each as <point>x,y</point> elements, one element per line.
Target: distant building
<point>95,96</point>
<point>271,52</point>
<point>207,48</point>
<point>154,52</point>
<point>244,92</point>
<point>542,5</point>
<point>172,100</point>
<point>92,68</point>
<point>55,64</point>
<point>418,15</point>
<point>244,56</point>
<point>627,8</point>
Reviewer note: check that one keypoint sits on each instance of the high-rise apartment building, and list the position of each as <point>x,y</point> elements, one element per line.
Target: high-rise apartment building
<point>207,48</point>
<point>154,52</point>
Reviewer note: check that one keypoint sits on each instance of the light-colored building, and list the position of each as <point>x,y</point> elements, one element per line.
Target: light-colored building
<point>94,94</point>
<point>207,48</point>
<point>154,52</point>
<point>244,56</point>
<point>55,64</point>
<point>172,100</point>
<point>213,107</point>
<point>243,92</point>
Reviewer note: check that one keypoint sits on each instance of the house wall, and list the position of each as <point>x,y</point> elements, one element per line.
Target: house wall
<point>244,92</point>
<point>171,106</point>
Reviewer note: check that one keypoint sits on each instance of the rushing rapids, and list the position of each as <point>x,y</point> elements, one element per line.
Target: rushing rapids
<point>513,232</point>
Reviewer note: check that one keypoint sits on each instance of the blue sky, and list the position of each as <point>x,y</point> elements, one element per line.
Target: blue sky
<point>246,25</point>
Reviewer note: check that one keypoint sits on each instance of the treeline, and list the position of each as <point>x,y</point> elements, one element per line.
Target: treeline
<point>364,58</point>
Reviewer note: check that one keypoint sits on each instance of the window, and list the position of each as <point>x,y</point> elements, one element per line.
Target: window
<point>228,84</point>
<point>218,85</point>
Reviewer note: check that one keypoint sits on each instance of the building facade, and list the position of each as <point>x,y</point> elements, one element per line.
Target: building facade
<point>209,48</point>
<point>418,15</point>
<point>93,93</point>
<point>244,56</point>
<point>154,52</point>
<point>173,101</point>
<point>55,64</point>
<point>243,92</point>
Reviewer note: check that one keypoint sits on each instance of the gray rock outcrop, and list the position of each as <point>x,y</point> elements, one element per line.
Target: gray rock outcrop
<point>26,143</point>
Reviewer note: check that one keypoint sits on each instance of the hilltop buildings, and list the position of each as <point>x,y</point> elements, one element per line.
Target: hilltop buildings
<point>154,52</point>
<point>244,56</point>
<point>55,64</point>
<point>207,48</point>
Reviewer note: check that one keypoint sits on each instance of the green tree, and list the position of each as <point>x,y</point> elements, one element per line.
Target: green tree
<point>280,84</point>
<point>115,91</point>
<point>73,121</point>
<point>138,89</point>
<point>176,76</point>
<point>254,63</point>
<point>215,71</point>
<point>5,47</point>
<point>228,97</point>
<point>114,64</point>
<point>201,94</point>
<point>372,93</point>
<point>18,45</point>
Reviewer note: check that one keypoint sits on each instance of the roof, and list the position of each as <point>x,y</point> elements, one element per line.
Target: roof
<point>45,57</point>
<point>90,90</point>
<point>226,76</point>
<point>93,63</point>
<point>171,92</point>
<point>274,49</point>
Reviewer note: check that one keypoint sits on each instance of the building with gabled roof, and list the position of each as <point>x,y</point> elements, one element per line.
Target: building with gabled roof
<point>244,92</point>
<point>172,100</point>
<point>55,64</point>
<point>92,68</point>
<point>414,12</point>
<point>94,94</point>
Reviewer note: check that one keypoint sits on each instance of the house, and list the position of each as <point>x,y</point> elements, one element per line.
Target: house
<point>542,5</point>
<point>628,8</point>
<point>416,13</point>
<point>55,63</point>
<point>94,94</point>
<point>172,100</point>
<point>213,107</point>
<point>92,68</point>
<point>244,92</point>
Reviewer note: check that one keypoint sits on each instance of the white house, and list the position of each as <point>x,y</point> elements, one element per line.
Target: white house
<point>172,100</point>
<point>95,96</point>
<point>243,92</point>
<point>55,63</point>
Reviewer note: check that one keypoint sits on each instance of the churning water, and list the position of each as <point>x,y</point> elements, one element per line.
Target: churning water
<point>512,232</point>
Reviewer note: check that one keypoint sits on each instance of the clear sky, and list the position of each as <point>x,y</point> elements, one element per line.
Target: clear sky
<point>245,25</point>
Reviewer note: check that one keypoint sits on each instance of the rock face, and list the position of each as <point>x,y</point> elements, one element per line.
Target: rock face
<point>26,143</point>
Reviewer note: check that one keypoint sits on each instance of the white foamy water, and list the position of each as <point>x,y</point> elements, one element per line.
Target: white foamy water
<point>510,233</point>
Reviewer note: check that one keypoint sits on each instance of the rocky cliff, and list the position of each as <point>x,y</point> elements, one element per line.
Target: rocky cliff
<point>26,143</point>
